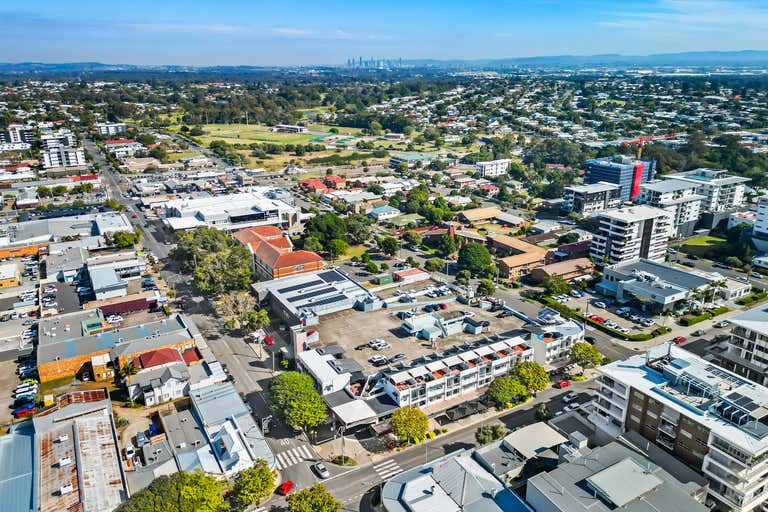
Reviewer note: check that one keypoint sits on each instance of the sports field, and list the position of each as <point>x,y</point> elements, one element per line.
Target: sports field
<point>247,133</point>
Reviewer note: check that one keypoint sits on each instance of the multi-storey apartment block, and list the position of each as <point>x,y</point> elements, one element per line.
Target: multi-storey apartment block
<point>61,156</point>
<point>628,233</point>
<point>747,348</point>
<point>712,419</point>
<point>721,192</point>
<point>679,198</point>
<point>111,128</point>
<point>588,200</point>
<point>492,168</point>
<point>627,172</point>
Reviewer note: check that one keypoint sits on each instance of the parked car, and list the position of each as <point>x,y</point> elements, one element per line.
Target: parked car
<point>285,487</point>
<point>570,407</point>
<point>562,384</point>
<point>722,323</point>
<point>378,360</point>
<point>590,339</point>
<point>599,304</point>
<point>679,339</point>
<point>141,439</point>
<point>570,397</point>
<point>21,413</point>
<point>321,470</point>
<point>698,332</point>
<point>397,357</point>
<point>693,257</point>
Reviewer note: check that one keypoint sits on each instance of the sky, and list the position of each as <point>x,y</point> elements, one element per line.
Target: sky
<point>299,32</point>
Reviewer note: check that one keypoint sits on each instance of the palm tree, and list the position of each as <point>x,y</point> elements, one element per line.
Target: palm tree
<point>129,369</point>
<point>714,286</point>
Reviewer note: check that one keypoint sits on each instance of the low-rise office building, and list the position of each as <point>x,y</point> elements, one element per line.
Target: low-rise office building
<point>711,418</point>
<point>9,275</point>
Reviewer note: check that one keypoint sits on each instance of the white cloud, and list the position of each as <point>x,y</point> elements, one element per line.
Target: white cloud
<point>187,28</point>
<point>292,32</point>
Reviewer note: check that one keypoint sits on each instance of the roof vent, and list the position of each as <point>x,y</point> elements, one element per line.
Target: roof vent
<point>65,461</point>
<point>62,438</point>
<point>66,488</point>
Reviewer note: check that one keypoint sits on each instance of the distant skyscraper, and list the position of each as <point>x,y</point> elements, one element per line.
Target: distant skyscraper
<point>627,172</point>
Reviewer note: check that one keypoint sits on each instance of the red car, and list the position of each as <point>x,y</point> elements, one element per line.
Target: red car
<point>562,384</point>
<point>285,487</point>
<point>597,319</point>
<point>443,306</point>
<point>268,340</point>
<point>25,412</point>
<point>679,339</point>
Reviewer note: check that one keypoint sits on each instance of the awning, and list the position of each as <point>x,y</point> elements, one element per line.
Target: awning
<point>438,365</point>
<point>355,412</point>
<point>484,350</point>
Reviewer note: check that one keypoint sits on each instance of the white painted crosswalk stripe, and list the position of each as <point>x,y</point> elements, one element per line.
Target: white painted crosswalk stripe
<point>387,469</point>
<point>293,456</point>
<point>392,473</point>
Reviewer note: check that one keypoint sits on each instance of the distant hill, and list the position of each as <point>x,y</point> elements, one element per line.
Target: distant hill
<point>744,58</point>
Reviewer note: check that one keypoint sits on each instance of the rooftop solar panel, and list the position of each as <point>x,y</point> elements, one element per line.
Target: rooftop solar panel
<point>299,286</point>
<point>309,295</point>
<point>329,300</point>
<point>331,276</point>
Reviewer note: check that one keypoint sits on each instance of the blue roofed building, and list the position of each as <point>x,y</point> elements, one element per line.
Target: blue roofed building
<point>384,212</point>
<point>18,453</point>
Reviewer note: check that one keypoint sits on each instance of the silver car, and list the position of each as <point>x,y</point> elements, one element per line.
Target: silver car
<point>321,470</point>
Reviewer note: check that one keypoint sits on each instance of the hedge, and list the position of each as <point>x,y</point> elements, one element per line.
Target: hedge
<point>692,320</point>
<point>751,299</point>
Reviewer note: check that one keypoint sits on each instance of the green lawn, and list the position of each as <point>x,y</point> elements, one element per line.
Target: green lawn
<point>709,247</point>
<point>183,154</point>
<point>245,134</point>
<point>354,250</point>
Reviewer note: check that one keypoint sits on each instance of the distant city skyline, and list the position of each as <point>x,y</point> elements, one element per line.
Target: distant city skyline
<point>238,32</point>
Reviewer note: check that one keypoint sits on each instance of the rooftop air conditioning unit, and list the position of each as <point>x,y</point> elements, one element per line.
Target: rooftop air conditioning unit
<point>66,488</point>
<point>62,438</point>
<point>65,461</point>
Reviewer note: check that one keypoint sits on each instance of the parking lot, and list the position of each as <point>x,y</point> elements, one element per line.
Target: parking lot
<point>595,304</point>
<point>8,382</point>
<point>352,330</point>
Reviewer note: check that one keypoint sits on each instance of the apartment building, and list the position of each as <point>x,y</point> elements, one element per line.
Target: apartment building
<point>627,172</point>
<point>64,138</point>
<point>679,198</point>
<point>712,419</point>
<point>17,134</point>
<point>721,191</point>
<point>760,228</point>
<point>628,233</point>
<point>553,339</point>
<point>587,200</point>
<point>492,168</point>
<point>111,128</point>
<point>747,348</point>
<point>62,156</point>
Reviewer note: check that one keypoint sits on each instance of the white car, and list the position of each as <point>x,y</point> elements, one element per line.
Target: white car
<point>114,319</point>
<point>599,304</point>
<point>570,397</point>
<point>570,407</point>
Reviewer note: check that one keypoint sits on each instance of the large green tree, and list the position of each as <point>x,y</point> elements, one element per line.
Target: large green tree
<point>293,396</point>
<point>389,246</point>
<point>314,499</point>
<point>409,423</point>
<point>476,258</point>
<point>179,492</point>
<point>585,355</point>
<point>506,390</point>
<point>224,271</point>
<point>531,375</point>
<point>253,484</point>
<point>555,285</point>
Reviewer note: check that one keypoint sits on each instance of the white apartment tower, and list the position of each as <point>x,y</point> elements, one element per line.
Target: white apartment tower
<point>492,168</point>
<point>628,233</point>
<point>679,198</point>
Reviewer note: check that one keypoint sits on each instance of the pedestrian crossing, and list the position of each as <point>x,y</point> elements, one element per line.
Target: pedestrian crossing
<point>293,456</point>
<point>387,469</point>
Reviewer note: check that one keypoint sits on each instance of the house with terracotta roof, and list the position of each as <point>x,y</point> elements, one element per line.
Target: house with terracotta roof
<point>314,185</point>
<point>335,182</point>
<point>520,257</point>
<point>164,374</point>
<point>273,254</point>
<point>569,270</point>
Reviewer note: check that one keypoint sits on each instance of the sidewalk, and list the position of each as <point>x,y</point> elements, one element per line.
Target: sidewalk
<point>354,449</point>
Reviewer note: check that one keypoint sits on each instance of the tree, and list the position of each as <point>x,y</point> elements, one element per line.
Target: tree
<point>112,204</point>
<point>585,355</point>
<point>293,396</point>
<point>326,227</point>
<point>486,287</point>
<point>129,369</point>
<point>312,244</point>
<point>238,310</point>
<point>253,484</point>
<point>158,152</point>
<point>179,492</point>
<point>489,433</point>
<point>225,271</point>
<point>412,237</point>
<point>531,375</point>
<point>506,390</point>
<point>475,258</point>
<point>463,276</point>
<point>389,246</point>
<point>409,423</point>
<point>124,239</point>
<point>555,285</point>
<point>371,267</point>
<point>337,247</point>
<point>568,238</point>
<point>434,265</point>
<point>542,412</point>
<point>314,499</point>
<point>733,261</point>
<point>194,245</point>
<point>447,245</point>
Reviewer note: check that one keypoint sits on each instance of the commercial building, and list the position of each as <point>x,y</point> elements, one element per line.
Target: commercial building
<point>679,198</point>
<point>93,227</point>
<point>290,128</point>
<point>235,439</point>
<point>492,168</point>
<point>711,418</point>
<point>628,233</point>
<point>9,275</point>
<point>747,349</point>
<point>78,455</point>
<point>62,156</point>
<point>106,283</point>
<point>587,200</point>
<point>656,287</point>
<point>452,483</point>
<point>612,477</point>
<point>273,254</point>
<point>627,172</point>
<point>231,212</point>
<point>721,191</point>
<point>111,128</point>
<point>411,160</point>
<point>18,473</point>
